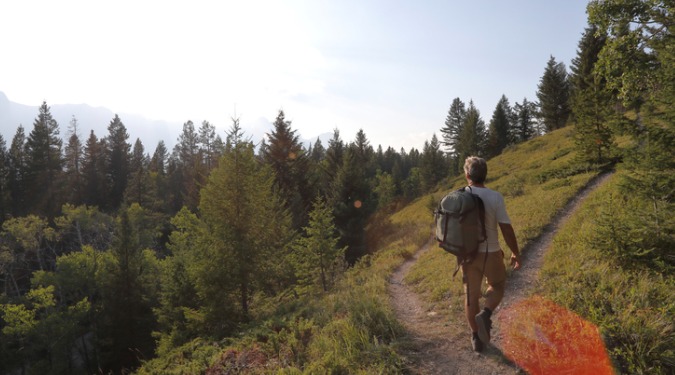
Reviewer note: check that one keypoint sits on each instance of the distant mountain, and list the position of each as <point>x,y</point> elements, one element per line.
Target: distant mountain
<point>89,118</point>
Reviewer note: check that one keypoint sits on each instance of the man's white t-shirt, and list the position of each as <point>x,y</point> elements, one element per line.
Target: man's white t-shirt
<point>495,212</point>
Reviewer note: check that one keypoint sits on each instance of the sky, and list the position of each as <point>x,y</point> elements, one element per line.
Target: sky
<point>390,68</point>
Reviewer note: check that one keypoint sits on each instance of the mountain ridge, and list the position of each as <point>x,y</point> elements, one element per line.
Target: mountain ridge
<point>89,118</point>
<point>97,119</point>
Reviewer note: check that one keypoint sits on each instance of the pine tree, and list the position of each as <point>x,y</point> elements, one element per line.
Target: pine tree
<point>74,155</point>
<point>94,172</point>
<point>248,232</point>
<point>159,159</point>
<point>288,160</point>
<point>178,314</point>
<point>591,100</point>
<point>499,132</point>
<point>318,176</point>
<point>128,300</point>
<point>334,154</point>
<point>433,166</point>
<point>44,165</point>
<point>157,170</point>
<point>317,152</point>
<point>412,185</point>
<point>363,152</point>
<point>190,165</point>
<point>117,162</point>
<point>471,141</point>
<point>553,93</point>
<point>175,182</point>
<point>350,199</point>
<point>16,173</point>
<point>208,146</point>
<point>588,50</point>
<point>138,188</point>
<point>388,159</point>
<point>525,115</point>
<point>393,163</point>
<point>450,132</point>
<point>318,259</point>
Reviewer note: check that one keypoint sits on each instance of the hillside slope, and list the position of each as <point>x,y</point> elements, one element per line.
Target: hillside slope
<point>355,328</point>
<point>441,342</point>
<point>598,268</point>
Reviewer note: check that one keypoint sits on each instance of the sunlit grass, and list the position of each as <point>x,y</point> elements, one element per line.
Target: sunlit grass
<point>537,179</point>
<point>633,308</point>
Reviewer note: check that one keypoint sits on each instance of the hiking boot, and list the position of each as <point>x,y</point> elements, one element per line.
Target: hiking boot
<point>484,326</point>
<point>476,344</point>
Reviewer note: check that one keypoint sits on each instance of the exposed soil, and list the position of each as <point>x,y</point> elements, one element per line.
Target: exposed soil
<point>441,344</point>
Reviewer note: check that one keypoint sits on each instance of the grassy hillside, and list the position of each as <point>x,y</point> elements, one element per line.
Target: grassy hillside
<point>633,304</point>
<point>629,297</point>
<point>353,330</point>
<point>537,179</point>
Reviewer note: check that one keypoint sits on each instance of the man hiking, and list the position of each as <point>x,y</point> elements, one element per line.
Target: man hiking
<point>489,261</point>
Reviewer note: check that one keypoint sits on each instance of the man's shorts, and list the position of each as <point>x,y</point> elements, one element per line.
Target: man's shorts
<point>495,272</point>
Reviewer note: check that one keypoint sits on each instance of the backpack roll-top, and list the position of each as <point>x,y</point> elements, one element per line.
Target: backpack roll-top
<point>460,223</point>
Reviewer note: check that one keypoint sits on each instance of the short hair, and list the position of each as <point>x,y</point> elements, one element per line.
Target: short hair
<point>476,169</point>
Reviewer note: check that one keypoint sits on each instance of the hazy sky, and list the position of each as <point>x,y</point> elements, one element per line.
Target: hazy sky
<point>391,68</point>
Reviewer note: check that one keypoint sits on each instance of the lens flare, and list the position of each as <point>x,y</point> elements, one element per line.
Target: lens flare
<point>545,338</point>
<point>357,203</point>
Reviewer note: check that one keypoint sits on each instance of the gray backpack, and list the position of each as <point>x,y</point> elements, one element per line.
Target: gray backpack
<point>460,224</point>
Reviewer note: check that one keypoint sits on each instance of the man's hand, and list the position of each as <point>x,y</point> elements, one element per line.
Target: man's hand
<point>515,261</point>
<point>510,238</point>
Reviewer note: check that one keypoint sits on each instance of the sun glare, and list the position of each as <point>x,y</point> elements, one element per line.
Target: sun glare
<point>545,338</point>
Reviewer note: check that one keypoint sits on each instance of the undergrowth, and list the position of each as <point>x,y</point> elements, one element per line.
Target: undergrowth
<point>352,330</point>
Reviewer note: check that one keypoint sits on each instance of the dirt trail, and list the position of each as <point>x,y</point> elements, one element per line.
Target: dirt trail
<point>440,343</point>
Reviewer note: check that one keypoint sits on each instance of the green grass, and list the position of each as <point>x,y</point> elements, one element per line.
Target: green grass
<point>633,307</point>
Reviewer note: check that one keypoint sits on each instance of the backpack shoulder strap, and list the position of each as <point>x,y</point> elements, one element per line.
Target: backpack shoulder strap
<point>481,211</point>
<point>481,215</point>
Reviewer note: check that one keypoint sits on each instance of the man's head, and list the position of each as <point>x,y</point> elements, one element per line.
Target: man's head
<point>475,169</point>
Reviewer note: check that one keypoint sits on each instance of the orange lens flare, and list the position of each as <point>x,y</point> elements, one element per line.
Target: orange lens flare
<point>545,338</point>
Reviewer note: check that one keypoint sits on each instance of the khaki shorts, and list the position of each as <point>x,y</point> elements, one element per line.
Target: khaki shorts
<point>495,272</point>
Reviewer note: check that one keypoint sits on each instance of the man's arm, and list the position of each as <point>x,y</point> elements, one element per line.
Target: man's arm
<point>512,243</point>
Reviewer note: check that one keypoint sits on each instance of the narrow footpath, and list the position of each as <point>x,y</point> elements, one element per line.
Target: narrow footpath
<point>440,344</point>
